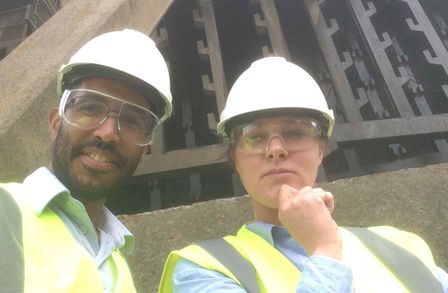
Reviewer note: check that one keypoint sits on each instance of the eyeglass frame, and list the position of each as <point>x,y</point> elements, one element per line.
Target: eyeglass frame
<point>66,95</point>
<point>320,135</point>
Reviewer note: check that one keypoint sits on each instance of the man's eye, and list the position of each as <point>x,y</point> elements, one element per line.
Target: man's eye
<point>89,106</point>
<point>136,121</point>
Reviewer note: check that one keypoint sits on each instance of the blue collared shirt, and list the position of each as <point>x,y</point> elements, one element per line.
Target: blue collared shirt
<point>319,273</point>
<point>48,191</point>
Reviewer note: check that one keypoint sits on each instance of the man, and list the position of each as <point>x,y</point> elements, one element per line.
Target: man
<point>56,233</point>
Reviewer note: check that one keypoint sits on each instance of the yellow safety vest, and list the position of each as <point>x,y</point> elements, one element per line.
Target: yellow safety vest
<point>275,273</point>
<point>54,260</point>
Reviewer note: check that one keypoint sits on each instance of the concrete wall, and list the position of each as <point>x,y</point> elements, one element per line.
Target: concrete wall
<point>27,74</point>
<point>414,199</point>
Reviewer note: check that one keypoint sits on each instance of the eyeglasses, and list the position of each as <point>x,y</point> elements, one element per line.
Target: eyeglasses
<point>295,135</point>
<point>88,109</point>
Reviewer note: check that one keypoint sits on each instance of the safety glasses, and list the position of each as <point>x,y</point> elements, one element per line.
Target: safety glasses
<point>295,135</point>
<point>88,109</point>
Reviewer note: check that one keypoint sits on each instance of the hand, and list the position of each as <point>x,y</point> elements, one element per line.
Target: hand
<point>306,214</point>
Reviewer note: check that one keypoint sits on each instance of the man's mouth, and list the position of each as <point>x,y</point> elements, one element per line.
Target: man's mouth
<point>98,157</point>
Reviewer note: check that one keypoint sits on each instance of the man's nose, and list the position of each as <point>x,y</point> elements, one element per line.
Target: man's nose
<point>108,130</point>
<point>276,148</point>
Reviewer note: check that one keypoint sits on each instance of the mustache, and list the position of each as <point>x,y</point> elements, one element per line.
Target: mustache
<point>110,147</point>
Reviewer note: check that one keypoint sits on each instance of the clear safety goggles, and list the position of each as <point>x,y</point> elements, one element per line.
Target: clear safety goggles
<point>88,109</point>
<point>295,135</point>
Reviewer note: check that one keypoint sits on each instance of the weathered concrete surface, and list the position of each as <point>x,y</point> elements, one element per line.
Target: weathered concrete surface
<point>27,74</point>
<point>414,199</point>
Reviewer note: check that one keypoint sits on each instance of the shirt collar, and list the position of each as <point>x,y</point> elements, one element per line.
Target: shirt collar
<point>107,222</point>
<point>262,229</point>
<point>269,232</point>
<point>45,187</point>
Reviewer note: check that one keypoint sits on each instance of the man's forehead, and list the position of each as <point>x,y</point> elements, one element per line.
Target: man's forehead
<point>116,88</point>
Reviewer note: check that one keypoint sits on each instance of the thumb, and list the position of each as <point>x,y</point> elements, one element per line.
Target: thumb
<point>285,194</point>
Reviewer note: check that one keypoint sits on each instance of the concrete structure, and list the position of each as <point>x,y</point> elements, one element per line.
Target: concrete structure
<point>411,199</point>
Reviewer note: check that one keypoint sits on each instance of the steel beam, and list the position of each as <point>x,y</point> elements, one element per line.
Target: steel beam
<point>414,162</point>
<point>324,32</point>
<point>344,134</point>
<point>270,24</point>
<point>378,47</point>
<point>390,128</point>
<point>423,24</point>
<point>182,159</point>
<point>204,17</point>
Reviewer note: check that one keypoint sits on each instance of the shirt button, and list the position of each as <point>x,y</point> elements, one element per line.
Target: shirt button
<point>84,230</point>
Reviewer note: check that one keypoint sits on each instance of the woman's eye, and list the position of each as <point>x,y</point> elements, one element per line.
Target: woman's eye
<point>294,134</point>
<point>254,139</point>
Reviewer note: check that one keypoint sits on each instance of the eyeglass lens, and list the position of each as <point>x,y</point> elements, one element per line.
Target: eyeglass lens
<point>89,109</point>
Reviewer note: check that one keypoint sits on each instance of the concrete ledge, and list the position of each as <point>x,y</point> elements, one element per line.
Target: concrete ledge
<point>415,200</point>
<point>28,73</point>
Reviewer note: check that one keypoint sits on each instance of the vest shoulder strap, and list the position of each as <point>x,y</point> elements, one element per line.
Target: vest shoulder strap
<point>407,267</point>
<point>225,253</point>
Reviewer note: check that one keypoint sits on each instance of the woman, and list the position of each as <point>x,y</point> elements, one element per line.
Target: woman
<point>278,123</point>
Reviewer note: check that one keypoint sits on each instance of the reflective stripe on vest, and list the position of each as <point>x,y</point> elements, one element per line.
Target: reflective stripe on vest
<point>54,260</point>
<point>280,275</point>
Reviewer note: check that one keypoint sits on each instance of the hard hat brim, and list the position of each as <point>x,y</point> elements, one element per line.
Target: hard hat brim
<point>71,74</point>
<point>326,120</point>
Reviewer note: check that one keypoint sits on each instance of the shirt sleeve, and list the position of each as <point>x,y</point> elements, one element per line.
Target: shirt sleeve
<point>190,277</point>
<point>320,275</point>
<point>324,274</point>
<point>443,278</point>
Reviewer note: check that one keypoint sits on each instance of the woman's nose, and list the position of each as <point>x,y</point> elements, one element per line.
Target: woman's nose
<point>276,148</point>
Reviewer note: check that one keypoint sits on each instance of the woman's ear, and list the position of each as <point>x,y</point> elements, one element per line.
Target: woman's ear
<point>54,122</point>
<point>147,150</point>
<point>322,150</point>
<point>233,161</point>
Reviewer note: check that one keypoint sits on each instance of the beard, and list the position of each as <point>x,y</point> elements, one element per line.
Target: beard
<point>98,186</point>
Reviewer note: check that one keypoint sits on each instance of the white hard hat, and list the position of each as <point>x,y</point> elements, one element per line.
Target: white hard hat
<point>126,55</point>
<point>270,86</point>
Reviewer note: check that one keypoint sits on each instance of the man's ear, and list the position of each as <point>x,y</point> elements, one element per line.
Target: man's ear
<point>54,122</point>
